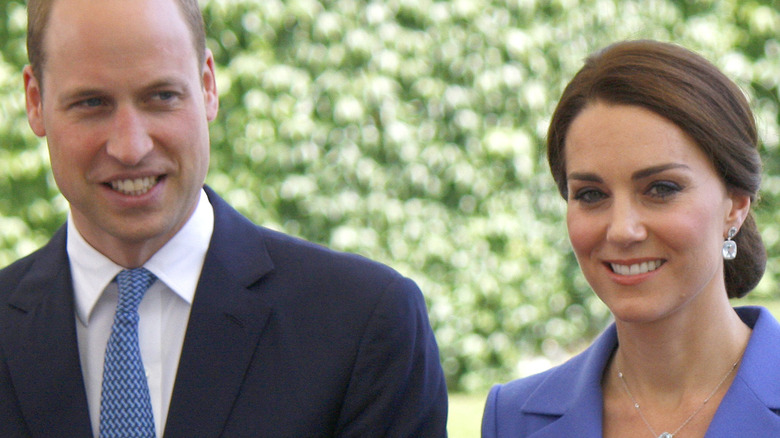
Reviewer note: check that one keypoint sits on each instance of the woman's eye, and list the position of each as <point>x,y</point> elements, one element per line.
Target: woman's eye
<point>663,189</point>
<point>589,195</point>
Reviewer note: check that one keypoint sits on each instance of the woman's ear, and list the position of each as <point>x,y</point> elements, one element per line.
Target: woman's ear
<point>738,212</point>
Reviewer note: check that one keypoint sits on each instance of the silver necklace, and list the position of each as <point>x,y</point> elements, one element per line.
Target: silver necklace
<point>687,420</point>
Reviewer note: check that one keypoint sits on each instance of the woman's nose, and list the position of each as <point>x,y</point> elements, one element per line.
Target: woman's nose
<point>626,224</point>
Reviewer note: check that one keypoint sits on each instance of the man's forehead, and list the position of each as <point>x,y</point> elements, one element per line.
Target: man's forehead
<point>120,45</point>
<point>120,28</point>
<point>114,17</point>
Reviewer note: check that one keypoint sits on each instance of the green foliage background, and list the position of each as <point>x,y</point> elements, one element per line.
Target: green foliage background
<point>411,131</point>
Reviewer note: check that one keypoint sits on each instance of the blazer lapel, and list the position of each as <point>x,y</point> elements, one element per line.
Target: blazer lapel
<point>571,398</point>
<point>225,324</point>
<point>580,420</point>
<point>742,413</point>
<point>41,346</point>
<point>755,392</point>
<point>569,401</point>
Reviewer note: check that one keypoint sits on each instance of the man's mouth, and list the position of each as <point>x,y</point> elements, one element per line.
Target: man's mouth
<point>636,268</point>
<point>134,187</point>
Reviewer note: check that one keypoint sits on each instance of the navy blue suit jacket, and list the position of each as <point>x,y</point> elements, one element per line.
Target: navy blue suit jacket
<point>566,401</point>
<point>285,339</point>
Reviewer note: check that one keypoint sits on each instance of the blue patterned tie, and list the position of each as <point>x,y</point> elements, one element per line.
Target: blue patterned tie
<point>125,405</point>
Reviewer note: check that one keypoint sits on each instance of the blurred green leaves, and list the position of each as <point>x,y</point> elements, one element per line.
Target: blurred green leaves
<point>412,132</point>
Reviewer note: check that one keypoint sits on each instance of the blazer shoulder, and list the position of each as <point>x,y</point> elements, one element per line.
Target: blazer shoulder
<point>510,398</point>
<point>317,258</point>
<point>529,404</point>
<point>504,413</point>
<point>236,234</point>
<point>53,253</point>
<point>11,274</point>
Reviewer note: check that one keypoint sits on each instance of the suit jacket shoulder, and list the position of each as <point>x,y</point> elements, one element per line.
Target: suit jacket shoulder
<point>285,339</point>
<point>51,253</point>
<point>41,384</point>
<point>562,401</point>
<point>300,340</point>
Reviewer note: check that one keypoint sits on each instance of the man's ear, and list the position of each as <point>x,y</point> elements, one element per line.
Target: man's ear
<point>34,102</point>
<point>210,87</point>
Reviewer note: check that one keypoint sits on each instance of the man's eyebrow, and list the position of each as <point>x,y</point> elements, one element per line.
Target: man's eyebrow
<point>78,94</point>
<point>639,174</point>
<point>166,82</point>
<point>81,93</point>
<point>87,92</point>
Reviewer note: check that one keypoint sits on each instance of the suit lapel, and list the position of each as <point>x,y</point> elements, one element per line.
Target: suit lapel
<point>582,420</point>
<point>225,324</point>
<point>571,399</point>
<point>41,346</point>
<point>754,418</point>
<point>755,392</point>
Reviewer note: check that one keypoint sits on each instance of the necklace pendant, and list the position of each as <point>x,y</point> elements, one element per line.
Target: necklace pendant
<point>666,435</point>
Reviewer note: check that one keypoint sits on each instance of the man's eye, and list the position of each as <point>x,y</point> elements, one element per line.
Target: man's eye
<point>165,96</point>
<point>92,102</point>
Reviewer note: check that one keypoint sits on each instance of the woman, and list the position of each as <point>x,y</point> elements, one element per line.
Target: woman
<point>655,152</point>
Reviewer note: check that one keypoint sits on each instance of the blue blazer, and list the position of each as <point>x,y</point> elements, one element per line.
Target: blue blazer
<point>285,339</point>
<point>566,401</point>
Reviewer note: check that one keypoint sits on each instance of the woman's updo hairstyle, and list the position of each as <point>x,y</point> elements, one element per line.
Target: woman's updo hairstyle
<point>688,90</point>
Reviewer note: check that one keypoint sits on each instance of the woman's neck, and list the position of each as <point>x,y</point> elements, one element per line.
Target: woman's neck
<point>687,353</point>
<point>672,374</point>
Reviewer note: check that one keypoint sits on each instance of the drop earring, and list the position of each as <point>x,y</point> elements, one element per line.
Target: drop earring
<point>730,246</point>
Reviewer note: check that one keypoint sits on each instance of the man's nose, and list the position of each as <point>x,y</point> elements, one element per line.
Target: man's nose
<point>129,141</point>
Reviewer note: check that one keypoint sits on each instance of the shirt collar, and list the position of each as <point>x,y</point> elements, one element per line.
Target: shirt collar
<point>177,264</point>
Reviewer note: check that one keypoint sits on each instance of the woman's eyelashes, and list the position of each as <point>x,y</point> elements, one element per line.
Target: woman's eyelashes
<point>589,195</point>
<point>657,190</point>
<point>663,189</point>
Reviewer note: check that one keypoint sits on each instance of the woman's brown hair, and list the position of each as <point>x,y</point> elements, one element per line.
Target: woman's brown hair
<point>687,89</point>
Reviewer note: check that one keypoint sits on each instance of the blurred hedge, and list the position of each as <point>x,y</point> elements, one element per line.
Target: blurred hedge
<point>411,131</point>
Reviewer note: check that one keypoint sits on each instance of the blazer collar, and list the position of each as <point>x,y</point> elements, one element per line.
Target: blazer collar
<point>226,320</point>
<point>755,393</point>
<point>580,410</point>
<point>40,331</point>
<point>238,241</point>
<point>227,317</point>
<point>762,354</point>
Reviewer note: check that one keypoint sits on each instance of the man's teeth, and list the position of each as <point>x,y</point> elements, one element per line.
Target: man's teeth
<point>636,269</point>
<point>134,187</point>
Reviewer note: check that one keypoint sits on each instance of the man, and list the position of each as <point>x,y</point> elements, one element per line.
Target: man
<point>243,331</point>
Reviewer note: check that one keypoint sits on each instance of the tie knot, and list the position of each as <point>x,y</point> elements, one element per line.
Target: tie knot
<point>133,284</point>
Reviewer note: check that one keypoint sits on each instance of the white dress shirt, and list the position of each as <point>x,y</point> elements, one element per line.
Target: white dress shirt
<point>164,310</point>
